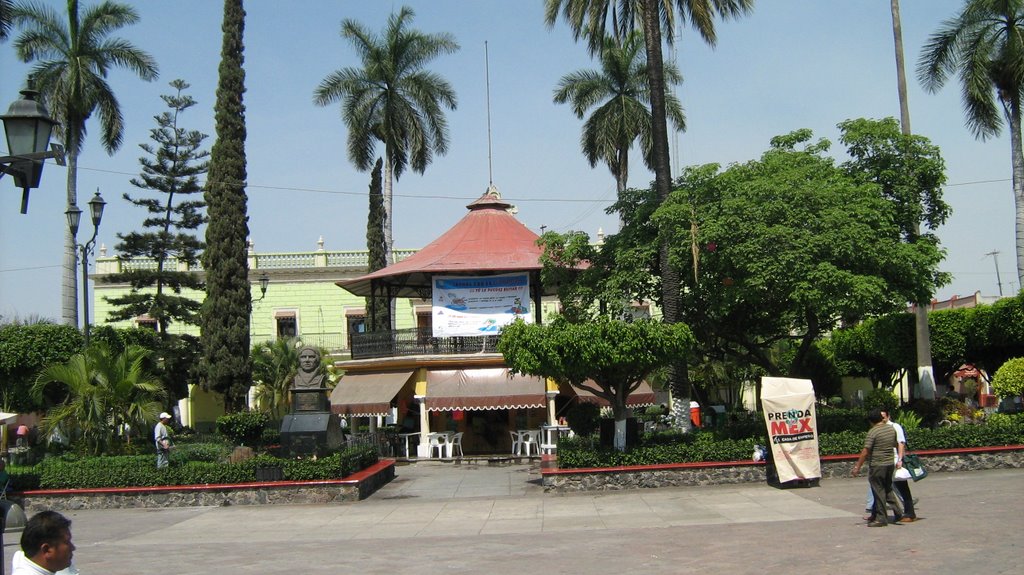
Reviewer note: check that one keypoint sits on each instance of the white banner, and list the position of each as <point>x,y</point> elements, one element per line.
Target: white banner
<point>792,427</point>
<point>479,305</point>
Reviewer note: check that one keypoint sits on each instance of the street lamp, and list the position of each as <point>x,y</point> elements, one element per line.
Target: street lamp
<point>28,125</point>
<point>264,282</point>
<point>74,216</point>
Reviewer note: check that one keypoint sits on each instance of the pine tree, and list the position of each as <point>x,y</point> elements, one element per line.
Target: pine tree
<point>226,366</point>
<point>170,169</point>
<point>376,245</point>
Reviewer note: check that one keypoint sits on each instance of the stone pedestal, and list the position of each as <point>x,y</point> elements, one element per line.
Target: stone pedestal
<point>310,428</point>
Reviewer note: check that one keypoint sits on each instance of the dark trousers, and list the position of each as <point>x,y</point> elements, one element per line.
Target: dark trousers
<point>908,500</point>
<point>880,480</point>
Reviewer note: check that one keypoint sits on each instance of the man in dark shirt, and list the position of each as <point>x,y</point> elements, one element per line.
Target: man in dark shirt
<point>879,447</point>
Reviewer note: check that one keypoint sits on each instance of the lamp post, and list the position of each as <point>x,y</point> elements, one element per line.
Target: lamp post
<point>264,282</point>
<point>28,125</point>
<point>74,216</point>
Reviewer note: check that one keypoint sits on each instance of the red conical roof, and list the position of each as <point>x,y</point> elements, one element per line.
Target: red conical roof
<point>486,241</point>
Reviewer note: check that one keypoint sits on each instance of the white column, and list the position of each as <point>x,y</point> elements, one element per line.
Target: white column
<point>423,448</point>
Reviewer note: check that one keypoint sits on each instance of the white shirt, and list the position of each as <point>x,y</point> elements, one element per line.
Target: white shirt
<point>21,565</point>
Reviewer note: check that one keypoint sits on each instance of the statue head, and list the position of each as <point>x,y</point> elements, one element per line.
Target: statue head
<point>309,359</point>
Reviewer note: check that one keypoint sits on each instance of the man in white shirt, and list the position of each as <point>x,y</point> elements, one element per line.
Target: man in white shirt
<point>162,436</point>
<point>902,487</point>
<point>46,543</point>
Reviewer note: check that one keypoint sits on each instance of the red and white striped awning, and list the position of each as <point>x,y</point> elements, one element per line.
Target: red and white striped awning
<point>477,389</point>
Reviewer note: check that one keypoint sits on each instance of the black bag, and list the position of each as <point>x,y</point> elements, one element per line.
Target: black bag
<point>912,464</point>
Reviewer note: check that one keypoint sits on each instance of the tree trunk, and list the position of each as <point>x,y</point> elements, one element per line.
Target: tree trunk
<point>388,179</point>
<point>69,277</point>
<point>678,376</point>
<point>925,375</point>
<point>1017,157</point>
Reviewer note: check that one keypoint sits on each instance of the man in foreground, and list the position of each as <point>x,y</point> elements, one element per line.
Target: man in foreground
<point>46,542</point>
<point>879,446</point>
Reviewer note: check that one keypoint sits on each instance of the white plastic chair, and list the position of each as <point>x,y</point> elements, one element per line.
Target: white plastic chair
<point>438,441</point>
<point>517,442</point>
<point>455,443</point>
<point>530,441</point>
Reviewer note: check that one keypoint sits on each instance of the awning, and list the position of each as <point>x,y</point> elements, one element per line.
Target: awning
<point>642,397</point>
<point>367,394</point>
<point>474,389</point>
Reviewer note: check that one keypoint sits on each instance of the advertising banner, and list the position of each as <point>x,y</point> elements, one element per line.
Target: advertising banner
<point>788,406</point>
<point>479,305</point>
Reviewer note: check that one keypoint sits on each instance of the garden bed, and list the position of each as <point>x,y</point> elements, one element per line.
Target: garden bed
<point>733,472</point>
<point>355,487</point>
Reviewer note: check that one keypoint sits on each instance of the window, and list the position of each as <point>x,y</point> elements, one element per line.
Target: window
<point>287,325</point>
<point>356,324</point>
<point>146,321</point>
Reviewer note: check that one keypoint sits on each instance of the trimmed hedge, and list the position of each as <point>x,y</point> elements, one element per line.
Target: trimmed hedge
<point>73,472</point>
<point>672,447</point>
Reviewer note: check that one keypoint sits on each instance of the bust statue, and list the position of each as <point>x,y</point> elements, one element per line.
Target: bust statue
<point>311,373</point>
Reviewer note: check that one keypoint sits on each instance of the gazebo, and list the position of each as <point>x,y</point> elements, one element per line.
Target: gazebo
<point>447,378</point>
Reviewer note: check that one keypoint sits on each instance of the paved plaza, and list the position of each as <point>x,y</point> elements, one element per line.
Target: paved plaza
<point>446,518</point>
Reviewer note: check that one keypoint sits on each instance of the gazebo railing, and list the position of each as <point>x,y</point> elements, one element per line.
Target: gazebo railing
<point>416,341</point>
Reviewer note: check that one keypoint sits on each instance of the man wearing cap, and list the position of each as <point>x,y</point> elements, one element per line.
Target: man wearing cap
<point>163,441</point>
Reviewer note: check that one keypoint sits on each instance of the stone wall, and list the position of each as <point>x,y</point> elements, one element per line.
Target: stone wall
<point>690,474</point>
<point>354,488</point>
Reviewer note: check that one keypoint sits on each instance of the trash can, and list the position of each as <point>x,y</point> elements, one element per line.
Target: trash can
<point>695,413</point>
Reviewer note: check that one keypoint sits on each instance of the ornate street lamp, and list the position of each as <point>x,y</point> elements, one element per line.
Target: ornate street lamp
<point>264,282</point>
<point>28,126</point>
<point>74,216</point>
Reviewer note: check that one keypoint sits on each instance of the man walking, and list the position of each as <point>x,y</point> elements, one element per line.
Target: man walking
<point>878,452</point>
<point>162,436</point>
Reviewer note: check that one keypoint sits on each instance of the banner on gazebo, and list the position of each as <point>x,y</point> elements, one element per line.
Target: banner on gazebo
<point>479,305</point>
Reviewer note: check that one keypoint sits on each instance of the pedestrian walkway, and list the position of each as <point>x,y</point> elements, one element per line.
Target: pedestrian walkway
<point>442,517</point>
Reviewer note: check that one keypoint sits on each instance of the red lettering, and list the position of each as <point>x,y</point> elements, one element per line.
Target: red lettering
<point>779,428</point>
<point>805,425</point>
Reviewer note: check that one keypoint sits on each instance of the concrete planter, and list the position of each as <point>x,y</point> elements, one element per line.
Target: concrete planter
<point>731,472</point>
<point>355,487</point>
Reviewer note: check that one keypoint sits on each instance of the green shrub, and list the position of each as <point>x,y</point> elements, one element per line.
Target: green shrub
<point>1009,378</point>
<point>882,399</point>
<point>243,428</point>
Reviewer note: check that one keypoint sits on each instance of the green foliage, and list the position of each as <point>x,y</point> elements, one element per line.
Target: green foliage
<point>225,365</point>
<point>616,355</point>
<point>702,446</point>
<point>1009,379</point>
<point>618,94</point>
<point>908,419</point>
<point>244,427</point>
<point>172,171</point>
<point>274,364</point>
<point>24,351</point>
<point>584,418</point>
<point>376,246</point>
<point>882,399</point>
<point>106,393</point>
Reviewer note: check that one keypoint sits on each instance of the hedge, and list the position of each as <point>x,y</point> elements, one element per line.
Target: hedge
<point>703,446</point>
<point>73,472</point>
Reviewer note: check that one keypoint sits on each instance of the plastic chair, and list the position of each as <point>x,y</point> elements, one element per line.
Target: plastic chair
<point>517,442</point>
<point>529,441</point>
<point>438,441</point>
<point>455,443</point>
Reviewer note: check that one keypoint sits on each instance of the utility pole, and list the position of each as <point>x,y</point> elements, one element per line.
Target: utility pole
<point>995,259</point>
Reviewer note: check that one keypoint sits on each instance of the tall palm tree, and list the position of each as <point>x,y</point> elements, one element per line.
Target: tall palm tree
<point>6,6</point>
<point>106,391</point>
<point>592,19</point>
<point>72,59</point>
<point>620,96</point>
<point>392,99</point>
<point>984,46</point>
<point>922,335</point>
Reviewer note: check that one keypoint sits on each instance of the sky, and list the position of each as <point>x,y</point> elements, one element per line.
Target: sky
<point>790,64</point>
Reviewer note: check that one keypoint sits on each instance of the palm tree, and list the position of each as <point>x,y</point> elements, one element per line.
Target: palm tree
<point>393,100</point>
<point>621,95</point>
<point>274,364</point>
<point>984,46</point>
<point>592,18</point>
<point>72,59</point>
<point>107,392</point>
<point>6,6</point>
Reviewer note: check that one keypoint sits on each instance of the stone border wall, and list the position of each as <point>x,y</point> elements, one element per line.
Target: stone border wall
<point>732,472</point>
<point>355,487</point>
